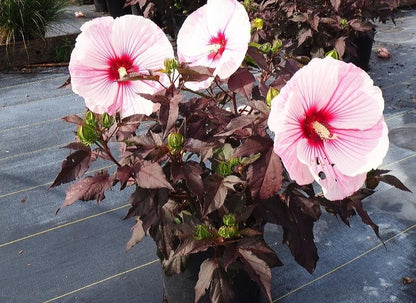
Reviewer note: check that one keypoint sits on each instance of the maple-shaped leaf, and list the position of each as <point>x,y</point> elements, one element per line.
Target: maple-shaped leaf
<point>123,174</point>
<point>89,188</point>
<point>264,176</point>
<point>74,166</point>
<point>221,290</point>
<point>237,124</point>
<point>195,73</point>
<point>258,57</point>
<point>192,174</point>
<point>128,126</point>
<point>374,177</point>
<point>257,269</point>
<point>261,249</point>
<point>241,82</point>
<point>335,4</point>
<point>206,272</point>
<point>190,245</point>
<point>197,146</point>
<point>303,35</point>
<point>163,232</point>
<point>137,234</point>
<point>146,204</point>
<point>174,265</point>
<point>252,146</point>
<point>215,193</point>
<point>168,113</point>
<point>151,175</point>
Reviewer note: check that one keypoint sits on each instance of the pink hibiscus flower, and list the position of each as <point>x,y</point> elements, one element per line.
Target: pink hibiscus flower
<point>329,126</point>
<point>216,35</point>
<point>107,50</point>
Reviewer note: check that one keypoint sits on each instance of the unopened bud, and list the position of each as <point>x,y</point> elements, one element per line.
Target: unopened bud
<point>266,47</point>
<point>228,232</point>
<point>170,65</point>
<point>257,23</point>
<point>201,232</point>
<point>107,121</point>
<point>90,118</point>
<point>277,45</point>
<point>332,53</point>
<point>271,93</point>
<point>224,169</point>
<point>229,220</point>
<point>343,22</point>
<point>175,141</point>
<point>87,134</point>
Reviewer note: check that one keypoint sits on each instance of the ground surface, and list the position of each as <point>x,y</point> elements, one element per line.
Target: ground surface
<point>79,256</point>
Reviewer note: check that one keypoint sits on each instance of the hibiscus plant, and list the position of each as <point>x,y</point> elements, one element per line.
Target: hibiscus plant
<point>221,140</point>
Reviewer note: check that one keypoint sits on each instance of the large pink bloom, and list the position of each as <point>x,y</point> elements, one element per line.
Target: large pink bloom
<point>109,48</point>
<point>329,126</point>
<point>215,35</point>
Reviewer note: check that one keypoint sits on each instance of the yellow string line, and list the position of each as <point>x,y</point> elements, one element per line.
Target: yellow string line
<point>33,151</point>
<point>63,225</point>
<point>345,264</point>
<point>47,184</point>
<point>101,281</point>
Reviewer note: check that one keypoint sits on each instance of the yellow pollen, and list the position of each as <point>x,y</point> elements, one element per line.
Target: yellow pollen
<point>213,48</point>
<point>322,131</point>
<point>122,72</point>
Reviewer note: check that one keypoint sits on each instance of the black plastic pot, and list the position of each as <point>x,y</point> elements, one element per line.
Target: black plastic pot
<point>100,5</point>
<point>359,48</point>
<point>116,8</point>
<point>180,288</point>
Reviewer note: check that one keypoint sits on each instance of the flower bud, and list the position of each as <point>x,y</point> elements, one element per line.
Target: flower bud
<point>224,169</point>
<point>234,161</point>
<point>332,53</point>
<point>266,47</point>
<point>228,231</point>
<point>107,121</point>
<point>175,141</point>
<point>271,93</point>
<point>343,22</point>
<point>170,65</point>
<point>201,232</point>
<point>87,134</point>
<point>257,23</point>
<point>229,220</point>
<point>90,118</point>
<point>277,45</point>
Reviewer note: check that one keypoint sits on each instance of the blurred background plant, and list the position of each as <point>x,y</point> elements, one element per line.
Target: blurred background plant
<point>23,20</point>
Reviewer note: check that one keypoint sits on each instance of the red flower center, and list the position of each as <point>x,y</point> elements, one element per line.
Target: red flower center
<point>120,65</point>
<point>217,46</point>
<point>316,127</point>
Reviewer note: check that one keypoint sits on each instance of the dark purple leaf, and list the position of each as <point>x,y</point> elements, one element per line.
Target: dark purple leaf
<point>335,4</point>
<point>168,113</point>
<point>151,175</point>
<point>198,146</point>
<point>123,174</point>
<point>241,82</point>
<point>261,249</point>
<point>237,124</point>
<point>303,35</point>
<point>215,193</point>
<point>128,126</point>
<point>195,73</point>
<point>258,57</point>
<point>221,290</point>
<point>74,166</point>
<point>204,278</point>
<point>257,269</point>
<point>394,181</point>
<point>89,188</point>
<point>265,176</point>
<point>190,246</point>
<point>252,146</point>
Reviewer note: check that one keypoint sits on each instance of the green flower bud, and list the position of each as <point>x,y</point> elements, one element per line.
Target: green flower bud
<point>228,232</point>
<point>266,47</point>
<point>271,93</point>
<point>175,141</point>
<point>229,220</point>
<point>90,118</point>
<point>170,65</point>
<point>247,4</point>
<point>277,45</point>
<point>224,169</point>
<point>332,53</point>
<point>343,22</point>
<point>107,121</point>
<point>257,23</point>
<point>87,134</point>
<point>201,232</point>
<point>234,162</point>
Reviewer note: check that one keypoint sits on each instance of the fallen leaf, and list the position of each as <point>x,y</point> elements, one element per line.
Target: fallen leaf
<point>383,53</point>
<point>407,280</point>
<point>23,200</point>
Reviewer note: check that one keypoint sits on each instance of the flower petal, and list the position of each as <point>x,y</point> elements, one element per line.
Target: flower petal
<point>335,185</point>
<point>356,151</point>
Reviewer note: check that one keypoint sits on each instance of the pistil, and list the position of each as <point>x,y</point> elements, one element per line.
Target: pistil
<point>322,131</point>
